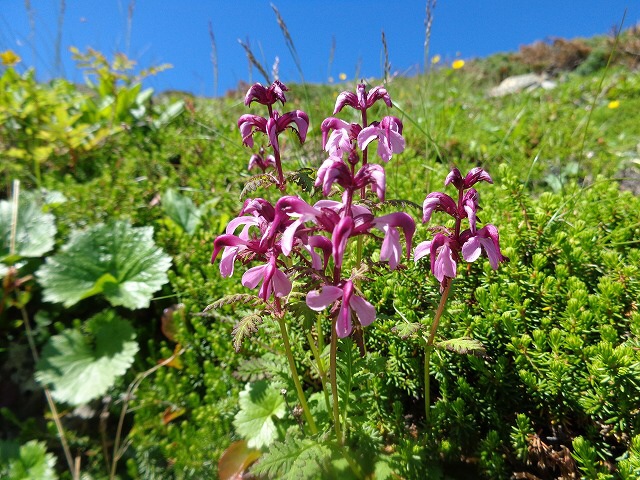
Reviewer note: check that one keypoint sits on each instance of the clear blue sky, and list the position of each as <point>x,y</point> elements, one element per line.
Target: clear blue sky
<point>177,32</point>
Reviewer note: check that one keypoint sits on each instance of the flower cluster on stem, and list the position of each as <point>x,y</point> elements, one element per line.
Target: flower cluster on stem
<point>449,246</point>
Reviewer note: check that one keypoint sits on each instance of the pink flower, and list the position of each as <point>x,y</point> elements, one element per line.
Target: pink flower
<point>388,132</point>
<point>339,238</point>
<point>318,300</point>
<point>486,239</point>
<point>273,280</point>
<point>470,207</point>
<point>259,160</point>
<point>438,202</point>
<point>374,175</point>
<point>266,96</point>
<point>474,176</point>
<point>390,224</point>
<point>341,139</point>
<point>298,121</point>
<point>333,170</point>
<point>361,100</point>
<point>443,256</point>
<point>250,124</point>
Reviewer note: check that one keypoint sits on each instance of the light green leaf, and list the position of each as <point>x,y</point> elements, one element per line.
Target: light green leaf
<point>80,367</point>
<point>117,260</point>
<point>294,459</point>
<point>181,210</point>
<point>259,402</point>
<point>463,345</point>
<point>35,230</point>
<point>27,462</point>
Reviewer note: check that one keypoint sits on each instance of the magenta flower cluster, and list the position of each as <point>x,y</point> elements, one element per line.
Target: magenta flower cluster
<point>448,246</point>
<point>318,235</point>
<point>272,126</point>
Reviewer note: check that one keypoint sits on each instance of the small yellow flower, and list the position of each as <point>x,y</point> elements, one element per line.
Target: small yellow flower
<point>435,59</point>
<point>9,58</point>
<point>342,76</point>
<point>614,104</point>
<point>457,64</point>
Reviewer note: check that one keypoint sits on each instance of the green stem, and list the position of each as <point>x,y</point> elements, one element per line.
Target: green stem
<point>429,346</point>
<point>334,383</point>
<point>321,371</point>
<point>73,467</point>
<point>296,379</point>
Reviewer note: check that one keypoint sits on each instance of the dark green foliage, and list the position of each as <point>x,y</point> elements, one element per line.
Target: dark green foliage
<point>553,391</point>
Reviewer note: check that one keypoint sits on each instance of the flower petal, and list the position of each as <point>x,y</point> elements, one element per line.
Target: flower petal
<point>444,265</point>
<point>320,299</point>
<point>343,322</point>
<point>438,202</point>
<point>471,249</point>
<point>281,284</point>
<point>253,276</point>
<point>422,250</point>
<point>364,310</point>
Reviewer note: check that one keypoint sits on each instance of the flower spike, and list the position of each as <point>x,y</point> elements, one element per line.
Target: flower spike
<point>266,96</point>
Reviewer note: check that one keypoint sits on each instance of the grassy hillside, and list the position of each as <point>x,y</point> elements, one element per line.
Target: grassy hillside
<point>553,391</point>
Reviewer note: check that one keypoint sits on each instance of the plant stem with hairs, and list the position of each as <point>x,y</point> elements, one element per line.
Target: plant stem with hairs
<point>429,348</point>
<point>294,374</point>
<point>118,449</point>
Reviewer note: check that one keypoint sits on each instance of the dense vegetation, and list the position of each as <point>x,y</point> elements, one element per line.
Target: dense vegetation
<point>105,253</point>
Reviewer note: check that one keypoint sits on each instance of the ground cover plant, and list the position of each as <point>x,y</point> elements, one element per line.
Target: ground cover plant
<point>361,319</point>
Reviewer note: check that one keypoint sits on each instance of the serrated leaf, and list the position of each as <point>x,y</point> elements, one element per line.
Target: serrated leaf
<point>294,459</point>
<point>259,402</point>
<point>463,345</point>
<point>181,210</point>
<point>246,327</point>
<point>83,366</point>
<point>303,178</point>
<point>407,329</point>
<point>117,260</point>
<point>35,230</point>
<point>244,298</point>
<point>256,182</point>
<point>260,368</point>
<point>28,462</point>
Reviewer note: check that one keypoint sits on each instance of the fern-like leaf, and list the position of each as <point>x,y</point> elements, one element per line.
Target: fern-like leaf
<point>398,204</point>
<point>261,368</point>
<point>244,298</point>
<point>244,329</point>
<point>463,345</point>
<point>294,459</point>
<point>256,182</point>
<point>407,329</point>
<point>303,178</point>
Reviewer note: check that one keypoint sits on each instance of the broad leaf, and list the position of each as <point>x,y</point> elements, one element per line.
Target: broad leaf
<point>34,233</point>
<point>259,402</point>
<point>120,261</point>
<point>82,366</point>
<point>181,210</point>
<point>27,462</point>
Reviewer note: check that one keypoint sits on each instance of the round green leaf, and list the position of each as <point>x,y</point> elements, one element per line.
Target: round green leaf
<point>82,366</point>
<point>120,261</point>
<point>259,402</point>
<point>35,230</point>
